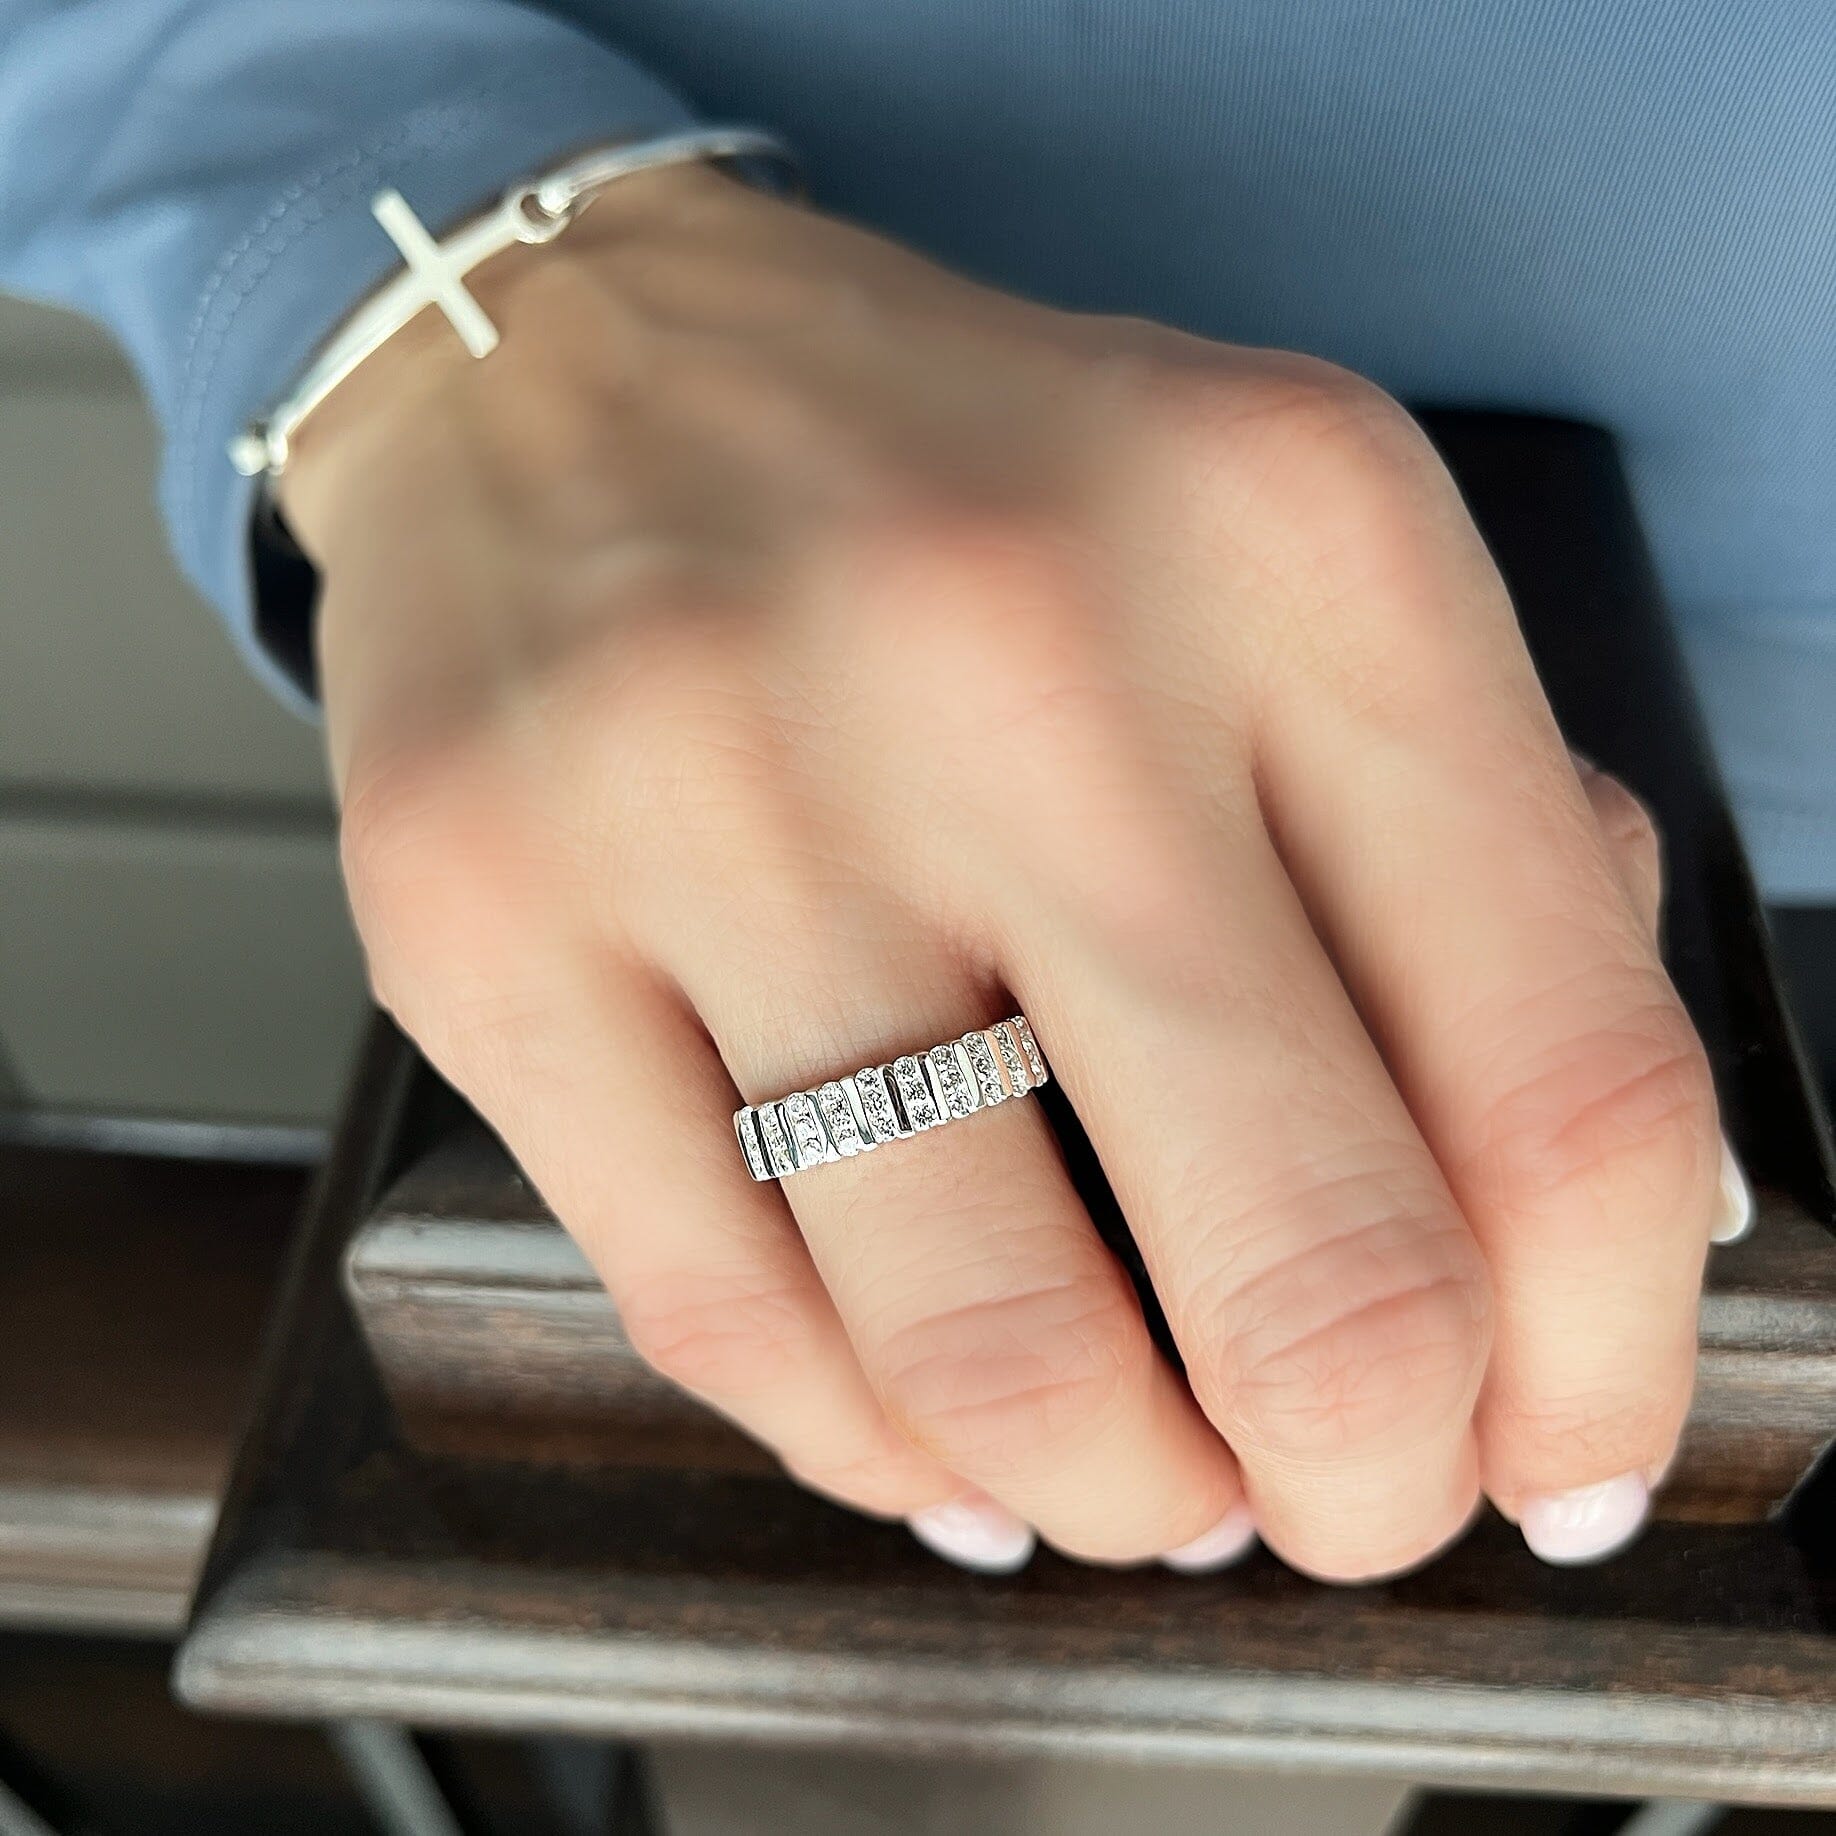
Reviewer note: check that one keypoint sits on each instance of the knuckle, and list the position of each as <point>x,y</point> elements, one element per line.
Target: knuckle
<point>991,1386</point>
<point>395,816</point>
<point>428,855</point>
<point>1011,673</point>
<point>1556,1439</point>
<point>1374,1332</point>
<point>1623,816</point>
<point>713,1337</point>
<point>1296,422</point>
<point>1631,831</point>
<point>1320,484</point>
<point>945,557</point>
<point>1624,1111</point>
<point>1331,409</point>
<point>673,724</point>
<point>691,789</point>
<point>1389,1371</point>
<point>983,617</point>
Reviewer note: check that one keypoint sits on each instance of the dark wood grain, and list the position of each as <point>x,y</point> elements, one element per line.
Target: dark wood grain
<point>133,1291</point>
<point>90,1735</point>
<point>490,1328</point>
<point>466,1503</point>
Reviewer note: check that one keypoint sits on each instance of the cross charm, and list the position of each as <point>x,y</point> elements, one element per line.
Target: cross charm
<point>443,277</point>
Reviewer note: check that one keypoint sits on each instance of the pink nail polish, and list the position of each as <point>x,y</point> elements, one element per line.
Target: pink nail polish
<point>975,1533</point>
<point>1569,1528</point>
<point>1229,1540</point>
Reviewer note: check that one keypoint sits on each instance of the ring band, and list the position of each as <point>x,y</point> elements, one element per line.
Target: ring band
<point>880,1103</point>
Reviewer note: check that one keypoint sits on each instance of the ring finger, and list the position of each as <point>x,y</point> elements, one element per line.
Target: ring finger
<point>997,1331</point>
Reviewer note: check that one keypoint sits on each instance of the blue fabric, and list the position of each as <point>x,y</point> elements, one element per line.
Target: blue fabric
<point>1622,210</point>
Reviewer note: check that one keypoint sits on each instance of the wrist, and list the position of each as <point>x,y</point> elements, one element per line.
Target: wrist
<point>401,396</point>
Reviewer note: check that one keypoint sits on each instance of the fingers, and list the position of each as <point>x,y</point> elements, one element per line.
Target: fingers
<point>1632,843</point>
<point>1515,988</point>
<point>1329,1302</point>
<point>995,1328</point>
<point>1636,849</point>
<point>1327,1298</point>
<point>619,1110</point>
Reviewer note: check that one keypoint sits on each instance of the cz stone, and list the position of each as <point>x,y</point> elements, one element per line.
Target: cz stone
<point>808,1141</point>
<point>1035,1060</point>
<point>920,1108</point>
<point>777,1143</point>
<point>987,1072</point>
<point>876,1104</point>
<point>1011,1060</point>
<point>838,1119</point>
<point>959,1094</point>
<point>749,1144</point>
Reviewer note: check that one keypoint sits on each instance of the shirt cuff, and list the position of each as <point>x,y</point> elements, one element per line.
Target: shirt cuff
<point>313,250</point>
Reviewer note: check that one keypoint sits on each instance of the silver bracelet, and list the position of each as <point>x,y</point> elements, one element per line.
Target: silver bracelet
<point>536,210</point>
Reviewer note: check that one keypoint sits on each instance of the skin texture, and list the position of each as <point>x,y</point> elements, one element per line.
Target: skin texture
<point>782,653</point>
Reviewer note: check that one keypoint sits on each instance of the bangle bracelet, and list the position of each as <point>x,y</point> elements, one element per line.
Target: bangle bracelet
<point>536,210</point>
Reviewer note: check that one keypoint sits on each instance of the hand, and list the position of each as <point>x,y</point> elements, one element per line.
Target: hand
<point>781,654</point>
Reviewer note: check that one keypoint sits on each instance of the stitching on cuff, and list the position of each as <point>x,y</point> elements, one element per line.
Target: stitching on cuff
<point>297,210</point>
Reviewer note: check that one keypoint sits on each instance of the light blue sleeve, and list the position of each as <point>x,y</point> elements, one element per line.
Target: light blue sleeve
<point>196,174</point>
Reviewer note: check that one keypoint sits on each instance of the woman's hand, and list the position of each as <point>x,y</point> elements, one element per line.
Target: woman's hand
<point>782,654</point>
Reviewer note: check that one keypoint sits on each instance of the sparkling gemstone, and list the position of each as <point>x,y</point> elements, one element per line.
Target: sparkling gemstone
<point>877,1104</point>
<point>749,1144</point>
<point>838,1119</point>
<point>920,1106</point>
<point>959,1096</point>
<point>808,1142</point>
<point>777,1143</point>
<point>1035,1059</point>
<point>1012,1060</point>
<point>987,1072</point>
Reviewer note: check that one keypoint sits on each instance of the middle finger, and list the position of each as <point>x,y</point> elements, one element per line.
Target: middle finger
<point>1000,1334</point>
<point>1332,1306</point>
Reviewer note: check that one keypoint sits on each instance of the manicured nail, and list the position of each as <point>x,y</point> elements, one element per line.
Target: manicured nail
<point>1568,1528</point>
<point>974,1533</point>
<point>1734,1201</point>
<point>1229,1540</point>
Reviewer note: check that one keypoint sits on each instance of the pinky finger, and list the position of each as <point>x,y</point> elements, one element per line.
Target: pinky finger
<point>1636,850</point>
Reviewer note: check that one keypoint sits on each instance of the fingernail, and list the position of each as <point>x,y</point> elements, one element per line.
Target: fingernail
<point>1734,1201</point>
<point>1229,1540</point>
<point>974,1533</point>
<point>1583,1525</point>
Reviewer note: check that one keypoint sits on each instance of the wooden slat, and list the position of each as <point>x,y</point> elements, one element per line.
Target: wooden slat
<point>134,1291</point>
<point>490,1328</point>
<point>674,1596</point>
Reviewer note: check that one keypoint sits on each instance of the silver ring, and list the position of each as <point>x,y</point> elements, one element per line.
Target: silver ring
<point>880,1103</point>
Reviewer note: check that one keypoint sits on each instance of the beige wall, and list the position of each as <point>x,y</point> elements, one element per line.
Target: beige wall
<point>172,937</point>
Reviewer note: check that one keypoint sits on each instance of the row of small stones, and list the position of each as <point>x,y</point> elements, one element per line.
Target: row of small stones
<point>855,1114</point>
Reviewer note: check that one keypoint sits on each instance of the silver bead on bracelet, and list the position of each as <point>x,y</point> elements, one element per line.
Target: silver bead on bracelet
<point>537,210</point>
